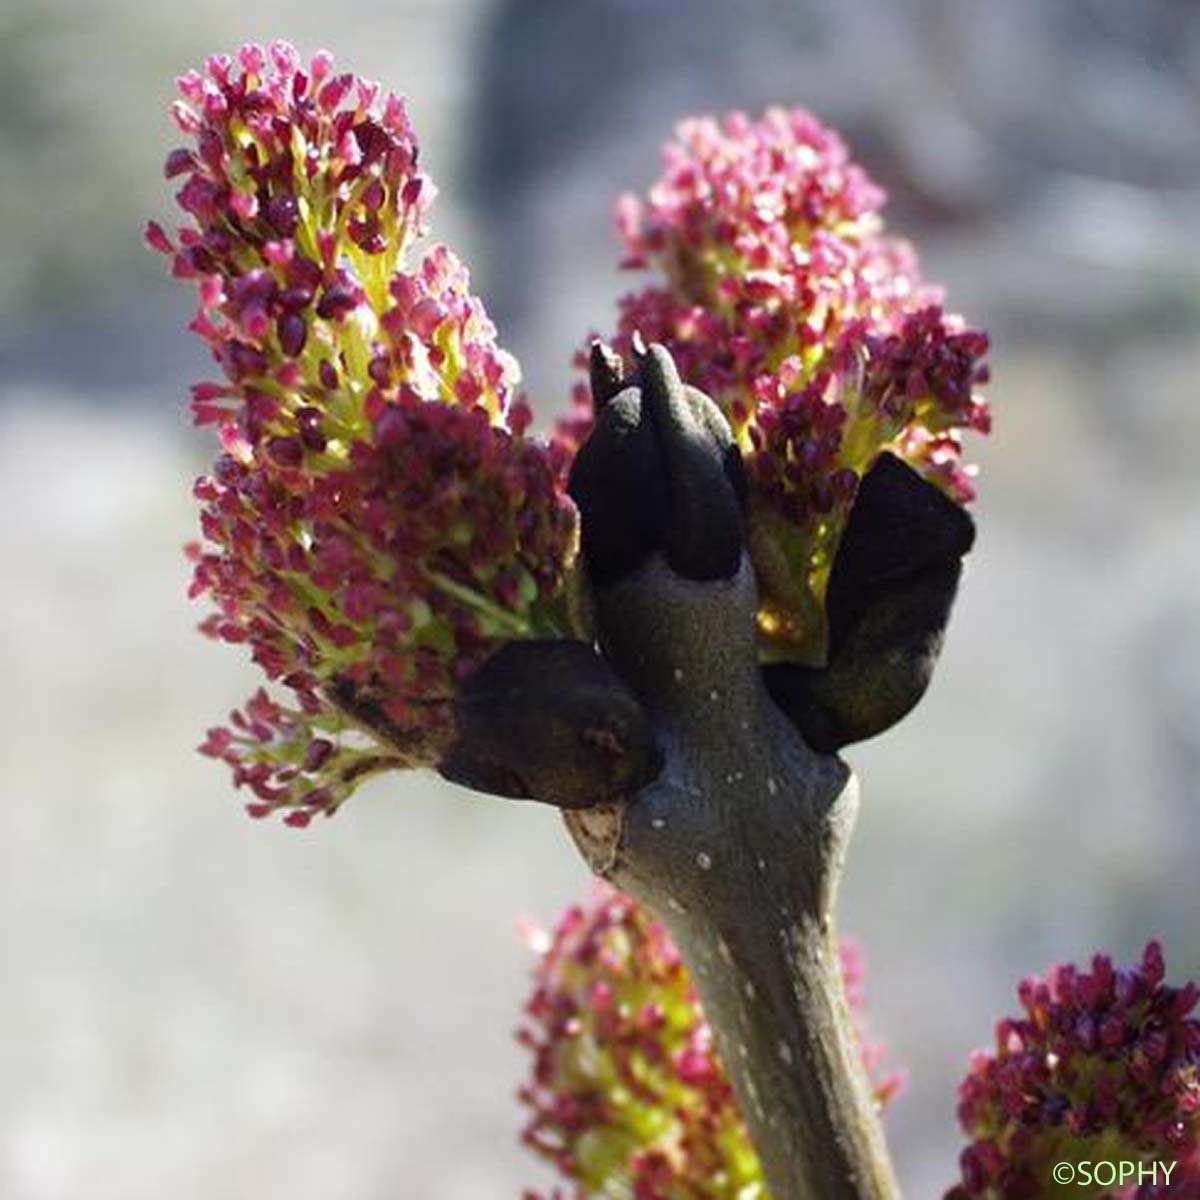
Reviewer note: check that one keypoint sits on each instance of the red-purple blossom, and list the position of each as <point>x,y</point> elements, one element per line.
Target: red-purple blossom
<point>780,296</point>
<point>628,1095</point>
<point>1102,1065</point>
<point>376,521</point>
<point>307,761</point>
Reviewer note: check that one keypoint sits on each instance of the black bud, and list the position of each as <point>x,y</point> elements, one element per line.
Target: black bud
<point>889,598</point>
<point>606,373</point>
<point>550,721</point>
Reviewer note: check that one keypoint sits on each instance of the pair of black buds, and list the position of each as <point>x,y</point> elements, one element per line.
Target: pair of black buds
<point>661,474</point>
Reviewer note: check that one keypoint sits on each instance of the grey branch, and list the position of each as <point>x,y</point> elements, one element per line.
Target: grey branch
<point>708,786</point>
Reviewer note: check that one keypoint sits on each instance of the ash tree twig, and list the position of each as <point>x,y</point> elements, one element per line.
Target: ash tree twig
<point>737,842</point>
<point>666,619</point>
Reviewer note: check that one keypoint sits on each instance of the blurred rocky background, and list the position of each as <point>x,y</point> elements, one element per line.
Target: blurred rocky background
<point>197,1006</point>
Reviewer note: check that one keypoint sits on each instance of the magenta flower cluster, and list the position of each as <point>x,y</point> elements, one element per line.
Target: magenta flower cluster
<point>628,1095</point>
<point>377,520</point>
<point>780,296</point>
<point>1102,1065</point>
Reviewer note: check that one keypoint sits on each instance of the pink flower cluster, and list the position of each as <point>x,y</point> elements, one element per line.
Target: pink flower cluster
<point>628,1095</point>
<point>1102,1065</point>
<point>781,298</point>
<point>376,521</point>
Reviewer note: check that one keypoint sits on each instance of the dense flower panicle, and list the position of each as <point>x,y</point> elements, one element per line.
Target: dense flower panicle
<point>376,521</point>
<point>628,1096</point>
<point>781,298</point>
<point>1103,1065</point>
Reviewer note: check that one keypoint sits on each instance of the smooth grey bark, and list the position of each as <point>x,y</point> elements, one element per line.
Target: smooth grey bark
<point>705,784</point>
<point>737,846</point>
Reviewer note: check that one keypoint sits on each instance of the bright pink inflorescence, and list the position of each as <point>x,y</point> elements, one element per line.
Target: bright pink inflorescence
<point>628,1095</point>
<point>376,521</point>
<point>780,297</point>
<point>1103,1065</point>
